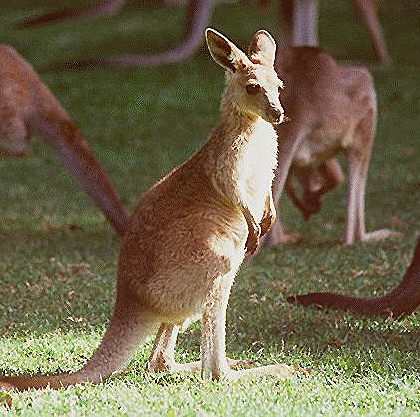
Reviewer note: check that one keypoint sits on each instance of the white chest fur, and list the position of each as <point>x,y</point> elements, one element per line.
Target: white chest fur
<point>257,160</point>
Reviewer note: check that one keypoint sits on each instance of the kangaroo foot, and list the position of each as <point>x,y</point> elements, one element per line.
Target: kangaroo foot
<point>382,234</point>
<point>165,365</point>
<point>279,371</point>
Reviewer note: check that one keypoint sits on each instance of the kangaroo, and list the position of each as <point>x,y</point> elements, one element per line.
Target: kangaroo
<point>190,232</point>
<point>400,302</point>
<point>28,108</point>
<point>333,110</point>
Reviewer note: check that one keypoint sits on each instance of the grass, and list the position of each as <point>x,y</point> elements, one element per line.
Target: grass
<point>57,281</point>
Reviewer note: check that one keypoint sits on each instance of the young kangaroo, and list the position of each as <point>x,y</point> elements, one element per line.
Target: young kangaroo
<point>27,107</point>
<point>191,230</point>
<point>333,109</point>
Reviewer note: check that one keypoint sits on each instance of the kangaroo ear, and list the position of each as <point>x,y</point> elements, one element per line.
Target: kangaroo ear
<point>262,49</point>
<point>224,52</point>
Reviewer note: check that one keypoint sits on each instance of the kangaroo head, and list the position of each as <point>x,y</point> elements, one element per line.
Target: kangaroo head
<point>252,84</point>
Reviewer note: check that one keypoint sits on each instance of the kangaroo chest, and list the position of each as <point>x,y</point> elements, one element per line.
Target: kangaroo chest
<point>255,165</point>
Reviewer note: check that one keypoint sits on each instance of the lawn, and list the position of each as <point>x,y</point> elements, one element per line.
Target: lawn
<point>59,257</point>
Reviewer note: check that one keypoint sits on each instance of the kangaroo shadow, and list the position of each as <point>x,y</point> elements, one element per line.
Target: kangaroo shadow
<point>61,278</point>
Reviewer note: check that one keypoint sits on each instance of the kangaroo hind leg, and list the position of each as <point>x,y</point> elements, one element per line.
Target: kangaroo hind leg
<point>359,158</point>
<point>162,357</point>
<point>214,362</point>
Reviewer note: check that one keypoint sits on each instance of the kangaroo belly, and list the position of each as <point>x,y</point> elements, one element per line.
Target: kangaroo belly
<point>323,143</point>
<point>174,270</point>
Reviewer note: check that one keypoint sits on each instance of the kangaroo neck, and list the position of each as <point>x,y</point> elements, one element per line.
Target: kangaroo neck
<point>235,147</point>
<point>235,130</point>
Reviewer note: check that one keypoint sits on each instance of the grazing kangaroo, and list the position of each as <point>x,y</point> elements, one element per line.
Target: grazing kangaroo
<point>28,108</point>
<point>333,109</point>
<point>401,301</point>
<point>190,231</point>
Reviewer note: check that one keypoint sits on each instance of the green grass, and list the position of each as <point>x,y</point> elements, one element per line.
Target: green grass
<point>57,282</point>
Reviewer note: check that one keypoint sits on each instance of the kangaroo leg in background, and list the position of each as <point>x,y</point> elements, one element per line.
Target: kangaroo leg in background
<point>291,136</point>
<point>300,23</point>
<point>305,23</point>
<point>359,158</point>
<point>367,12</point>
<point>198,17</point>
<point>102,9</point>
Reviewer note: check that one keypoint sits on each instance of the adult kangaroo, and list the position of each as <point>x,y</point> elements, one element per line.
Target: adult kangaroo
<point>191,230</point>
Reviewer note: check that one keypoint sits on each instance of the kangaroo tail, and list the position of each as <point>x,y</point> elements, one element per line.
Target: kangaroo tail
<point>70,145</point>
<point>102,9</point>
<point>129,326</point>
<point>403,300</point>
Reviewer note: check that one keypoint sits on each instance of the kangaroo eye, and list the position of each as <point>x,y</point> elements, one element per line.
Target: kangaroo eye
<point>253,88</point>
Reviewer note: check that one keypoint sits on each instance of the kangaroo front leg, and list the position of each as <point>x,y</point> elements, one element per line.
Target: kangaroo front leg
<point>308,203</point>
<point>214,362</point>
<point>269,215</point>
<point>330,175</point>
<point>254,231</point>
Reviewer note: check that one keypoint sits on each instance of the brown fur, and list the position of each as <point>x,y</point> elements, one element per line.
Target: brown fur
<point>28,108</point>
<point>190,231</point>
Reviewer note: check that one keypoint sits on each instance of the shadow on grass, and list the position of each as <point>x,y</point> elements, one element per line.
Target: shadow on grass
<point>68,287</point>
<point>56,279</point>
